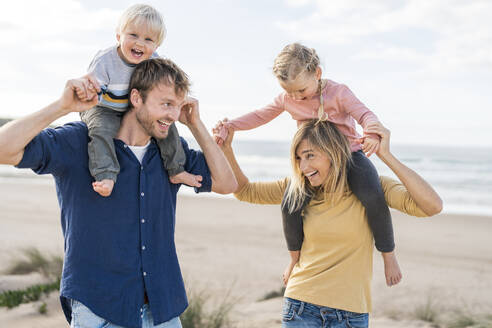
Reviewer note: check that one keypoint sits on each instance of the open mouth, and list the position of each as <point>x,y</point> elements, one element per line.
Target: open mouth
<point>163,124</point>
<point>310,174</point>
<point>137,53</point>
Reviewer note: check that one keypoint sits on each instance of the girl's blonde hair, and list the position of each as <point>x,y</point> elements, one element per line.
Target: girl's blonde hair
<point>143,14</point>
<point>324,137</point>
<point>293,60</point>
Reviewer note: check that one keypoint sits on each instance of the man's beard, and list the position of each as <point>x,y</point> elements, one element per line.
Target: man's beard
<point>146,123</point>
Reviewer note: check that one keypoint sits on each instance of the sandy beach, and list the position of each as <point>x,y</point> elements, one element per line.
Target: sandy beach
<point>225,246</point>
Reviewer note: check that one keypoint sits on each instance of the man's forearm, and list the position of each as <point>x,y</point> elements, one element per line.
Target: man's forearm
<point>15,135</point>
<point>223,178</point>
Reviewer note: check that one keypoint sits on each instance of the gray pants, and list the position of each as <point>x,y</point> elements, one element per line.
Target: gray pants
<point>103,125</point>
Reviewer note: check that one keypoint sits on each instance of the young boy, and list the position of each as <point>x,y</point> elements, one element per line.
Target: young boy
<point>140,32</point>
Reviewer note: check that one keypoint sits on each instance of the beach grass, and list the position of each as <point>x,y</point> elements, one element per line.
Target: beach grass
<point>200,313</point>
<point>273,294</point>
<point>13,298</point>
<point>43,308</point>
<point>469,320</point>
<point>33,260</point>
<point>428,312</point>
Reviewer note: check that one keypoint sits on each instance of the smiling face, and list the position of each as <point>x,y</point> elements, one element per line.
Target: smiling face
<point>160,108</point>
<point>136,43</point>
<point>314,164</point>
<point>304,86</point>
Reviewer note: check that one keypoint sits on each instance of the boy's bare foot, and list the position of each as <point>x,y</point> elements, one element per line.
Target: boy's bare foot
<point>187,179</point>
<point>287,272</point>
<point>391,269</point>
<point>103,187</point>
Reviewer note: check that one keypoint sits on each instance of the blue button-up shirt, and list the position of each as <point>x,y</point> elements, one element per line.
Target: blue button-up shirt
<point>119,247</point>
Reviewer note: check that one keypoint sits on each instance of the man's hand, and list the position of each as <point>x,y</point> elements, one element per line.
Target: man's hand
<point>189,115</point>
<point>71,102</point>
<point>87,87</point>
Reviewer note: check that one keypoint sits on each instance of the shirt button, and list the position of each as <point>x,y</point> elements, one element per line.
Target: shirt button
<point>142,194</point>
<point>143,220</point>
<point>145,273</point>
<point>143,247</point>
<point>141,168</point>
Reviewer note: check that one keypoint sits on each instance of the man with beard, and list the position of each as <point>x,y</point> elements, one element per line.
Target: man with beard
<point>120,263</point>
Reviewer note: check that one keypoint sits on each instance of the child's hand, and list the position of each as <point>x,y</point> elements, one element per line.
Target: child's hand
<point>218,131</point>
<point>87,88</point>
<point>384,135</point>
<point>370,145</point>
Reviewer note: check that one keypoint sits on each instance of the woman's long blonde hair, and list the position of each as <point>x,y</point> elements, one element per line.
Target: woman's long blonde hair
<point>325,137</point>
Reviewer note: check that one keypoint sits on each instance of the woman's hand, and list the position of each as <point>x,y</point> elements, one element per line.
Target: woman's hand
<point>227,142</point>
<point>370,145</point>
<point>385,134</point>
<point>422,193</point>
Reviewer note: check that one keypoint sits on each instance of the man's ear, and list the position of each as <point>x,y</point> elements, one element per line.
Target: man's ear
<point>135,98</point>
<point>118,37</point>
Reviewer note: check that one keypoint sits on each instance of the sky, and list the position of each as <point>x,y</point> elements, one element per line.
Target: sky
<point>423,66</point>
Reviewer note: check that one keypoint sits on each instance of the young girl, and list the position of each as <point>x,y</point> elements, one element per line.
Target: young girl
<point>308,96</point>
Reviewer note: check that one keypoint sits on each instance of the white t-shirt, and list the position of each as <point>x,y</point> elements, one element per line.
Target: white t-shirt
<point>139,151</point>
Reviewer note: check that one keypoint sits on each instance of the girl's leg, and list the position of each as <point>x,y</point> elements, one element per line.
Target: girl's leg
<point>364,182</point>
<point>293,232</point>
<point>292,224</point>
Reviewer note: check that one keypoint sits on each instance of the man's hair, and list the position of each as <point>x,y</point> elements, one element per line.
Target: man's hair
<point>154,71</point>
<point>143,14</point>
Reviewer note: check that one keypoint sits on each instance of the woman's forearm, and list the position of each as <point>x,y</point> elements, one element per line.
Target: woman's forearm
<point>241,178</point>
<point>422,192</point>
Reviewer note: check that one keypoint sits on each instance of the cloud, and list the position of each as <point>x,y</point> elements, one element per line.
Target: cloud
<point>53,38</point>
<point>460,30</point>
<point>297,3</point>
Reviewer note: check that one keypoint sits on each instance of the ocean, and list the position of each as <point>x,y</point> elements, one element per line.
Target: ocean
<point>461,176</point>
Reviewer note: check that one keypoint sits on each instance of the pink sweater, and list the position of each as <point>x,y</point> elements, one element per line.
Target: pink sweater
<point>340,104</point>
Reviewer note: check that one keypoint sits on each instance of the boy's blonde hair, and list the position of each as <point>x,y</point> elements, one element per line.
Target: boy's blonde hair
<point>293,60</point>
<point>326,138</point>
<point>143,14</point>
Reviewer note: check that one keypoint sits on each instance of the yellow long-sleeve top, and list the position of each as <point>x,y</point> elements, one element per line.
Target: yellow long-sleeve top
<point>335,265</point>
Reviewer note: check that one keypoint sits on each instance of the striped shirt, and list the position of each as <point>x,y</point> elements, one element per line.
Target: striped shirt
<point>113,75</point>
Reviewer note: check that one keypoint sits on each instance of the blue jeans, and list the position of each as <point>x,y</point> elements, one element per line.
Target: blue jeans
<point>298,314</point>
<point>83,317</point>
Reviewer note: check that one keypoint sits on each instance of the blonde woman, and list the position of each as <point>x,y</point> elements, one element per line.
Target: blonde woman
<point>307,95</point>
<point>330,284</point>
